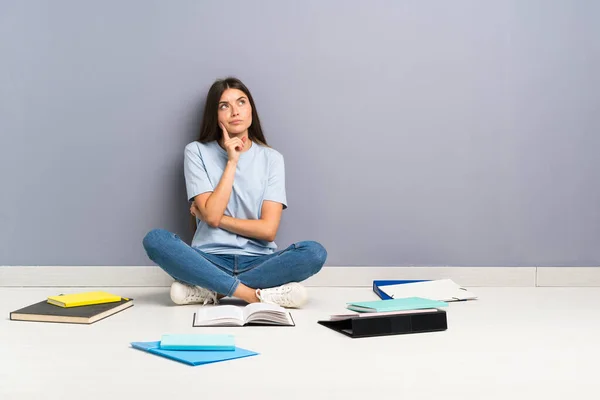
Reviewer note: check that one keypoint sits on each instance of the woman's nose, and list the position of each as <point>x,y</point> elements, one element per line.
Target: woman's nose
<point>234,110</point>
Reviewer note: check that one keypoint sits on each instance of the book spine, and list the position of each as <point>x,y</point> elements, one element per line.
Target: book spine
<point>198,348</point>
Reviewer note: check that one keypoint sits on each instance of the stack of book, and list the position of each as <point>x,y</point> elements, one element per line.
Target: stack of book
<point>405,307</point>
<point>195,349</point>
<point>390,317</point>
<point>75,308</point>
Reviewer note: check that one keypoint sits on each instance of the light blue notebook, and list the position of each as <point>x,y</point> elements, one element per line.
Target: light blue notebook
<point>408,303</point>
<point>197,342</point>
<point>192,357</point>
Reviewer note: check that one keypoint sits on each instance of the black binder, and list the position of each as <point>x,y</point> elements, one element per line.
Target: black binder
<point>381,325</point>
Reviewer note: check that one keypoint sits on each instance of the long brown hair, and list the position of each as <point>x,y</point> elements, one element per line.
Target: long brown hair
<point>209,129</point>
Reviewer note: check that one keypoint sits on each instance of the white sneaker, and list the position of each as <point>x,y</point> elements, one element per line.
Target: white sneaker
<point>182,293</point>
<point>290,295</point>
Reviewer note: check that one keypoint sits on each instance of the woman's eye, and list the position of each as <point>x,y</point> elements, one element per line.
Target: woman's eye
<point>242,102</point>
<point>223,106</point>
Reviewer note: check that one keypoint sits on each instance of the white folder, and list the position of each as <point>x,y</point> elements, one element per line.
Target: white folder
<point>443,290</point>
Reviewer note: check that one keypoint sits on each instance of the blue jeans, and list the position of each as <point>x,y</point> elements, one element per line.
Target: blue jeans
<point>224,272</point>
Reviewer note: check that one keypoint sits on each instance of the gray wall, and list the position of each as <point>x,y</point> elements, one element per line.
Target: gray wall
<point>414,132</point>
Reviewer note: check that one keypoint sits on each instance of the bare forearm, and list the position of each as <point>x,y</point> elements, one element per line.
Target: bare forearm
<point>253,228</point>
<point>217,202</point>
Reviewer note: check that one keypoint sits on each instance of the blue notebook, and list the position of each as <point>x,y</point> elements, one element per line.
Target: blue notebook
<point>408,303</point>
<point>193,357</point>
<point>197,342</point>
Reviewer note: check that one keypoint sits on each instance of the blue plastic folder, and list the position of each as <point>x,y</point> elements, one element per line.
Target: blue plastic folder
<point>409,303</point>
<point>378,286</point>
<point>192,357</point>
<point>205,342</point>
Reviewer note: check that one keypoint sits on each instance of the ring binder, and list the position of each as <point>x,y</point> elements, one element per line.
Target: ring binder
<point>382,325</point>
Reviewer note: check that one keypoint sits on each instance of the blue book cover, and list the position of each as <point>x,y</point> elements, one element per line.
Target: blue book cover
<point>193,357</point>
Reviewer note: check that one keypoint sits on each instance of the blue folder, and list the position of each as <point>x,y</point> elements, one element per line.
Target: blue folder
<point>193,357</point>
<point>377,285</point>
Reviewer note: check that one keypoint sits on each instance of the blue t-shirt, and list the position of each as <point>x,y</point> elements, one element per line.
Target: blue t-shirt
<point>259,176</point>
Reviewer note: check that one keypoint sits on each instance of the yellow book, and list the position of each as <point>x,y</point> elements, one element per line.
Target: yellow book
<point>83,299</point>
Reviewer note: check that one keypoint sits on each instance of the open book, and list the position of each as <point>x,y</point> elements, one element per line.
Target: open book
<point>252,314</point>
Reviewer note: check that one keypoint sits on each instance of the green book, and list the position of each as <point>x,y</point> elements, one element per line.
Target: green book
<point>216,342</point>
<point>408,303</point>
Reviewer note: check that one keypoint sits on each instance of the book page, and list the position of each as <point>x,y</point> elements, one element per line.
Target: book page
<point>267,313</point>
<point>218,315</point>
<point>443,290</point>
<point>255,307</point>
<point>336,317</point>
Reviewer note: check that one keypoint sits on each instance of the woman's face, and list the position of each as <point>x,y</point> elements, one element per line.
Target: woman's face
<point>235,111</point>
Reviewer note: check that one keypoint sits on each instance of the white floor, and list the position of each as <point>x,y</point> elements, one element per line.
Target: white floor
<point>511,343</point>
